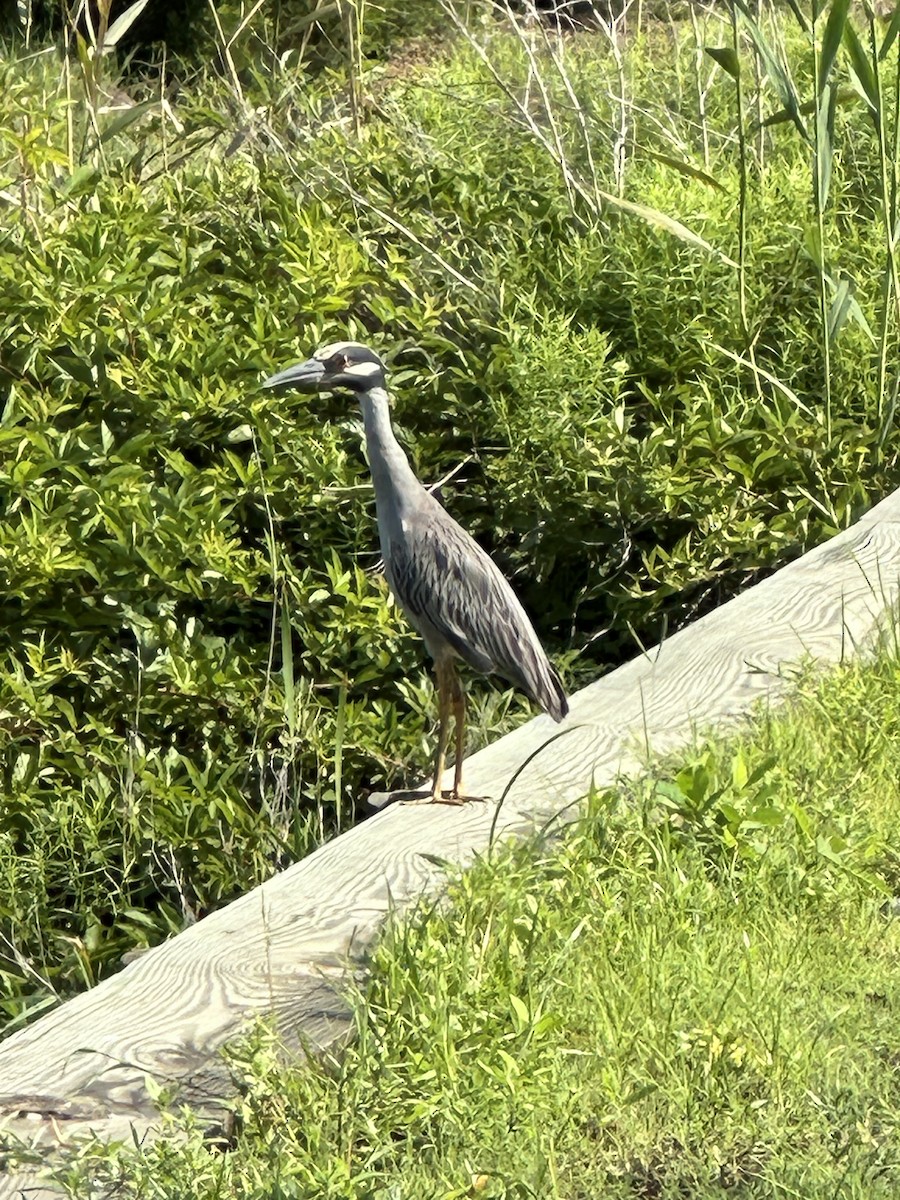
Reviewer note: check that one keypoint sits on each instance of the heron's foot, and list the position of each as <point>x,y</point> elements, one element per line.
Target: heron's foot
<point>449,797</point>
<point>459,795</point>
<point>444,797</point>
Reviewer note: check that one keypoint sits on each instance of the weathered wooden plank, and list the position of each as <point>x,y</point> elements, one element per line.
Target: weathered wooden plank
<point>284,948</point>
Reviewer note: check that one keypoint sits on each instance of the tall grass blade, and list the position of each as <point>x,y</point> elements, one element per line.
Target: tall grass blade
<point>781,386</point>
<point>840,308</point>
<point>126,118</point>
<point>854,312</point>
<point>777,72</point>
<point>287,668</point>
<point>844,306</point>
<point>887,423</point>
<point>812,244</point>
<point>515,775</point>
<point>831,40</point>
<point>891,36</point>
<point>661,220</point>
<point>800,15</point>
<point>821,167</point>
<point>339,727</point>
<point>824,145</point>
<point>861,71</point>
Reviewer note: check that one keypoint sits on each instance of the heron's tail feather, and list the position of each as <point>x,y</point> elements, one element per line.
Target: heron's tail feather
<point>552,698</point>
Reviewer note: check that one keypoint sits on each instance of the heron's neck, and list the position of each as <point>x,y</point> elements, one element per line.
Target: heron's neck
<point>391,473</point>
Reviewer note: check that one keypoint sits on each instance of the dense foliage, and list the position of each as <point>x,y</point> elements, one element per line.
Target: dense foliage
<point>199,665</point>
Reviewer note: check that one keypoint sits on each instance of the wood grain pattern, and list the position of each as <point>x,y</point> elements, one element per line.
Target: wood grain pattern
<point>284,948</point>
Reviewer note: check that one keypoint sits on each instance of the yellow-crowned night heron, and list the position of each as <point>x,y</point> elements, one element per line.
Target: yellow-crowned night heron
<point>449,588</point>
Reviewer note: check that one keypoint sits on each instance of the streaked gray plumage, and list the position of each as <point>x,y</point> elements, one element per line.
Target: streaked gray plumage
<point>450,589</point>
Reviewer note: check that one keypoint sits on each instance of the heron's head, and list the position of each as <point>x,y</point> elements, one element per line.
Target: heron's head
<point>342,366</point>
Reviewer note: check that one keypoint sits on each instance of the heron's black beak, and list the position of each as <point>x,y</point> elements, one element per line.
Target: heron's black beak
<point>305,376</point>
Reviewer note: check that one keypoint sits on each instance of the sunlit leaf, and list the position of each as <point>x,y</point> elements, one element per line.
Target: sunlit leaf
<point>663,221</point>
<point>123,23</point>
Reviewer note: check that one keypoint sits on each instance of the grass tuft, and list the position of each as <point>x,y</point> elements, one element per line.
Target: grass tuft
<point>693,993</point>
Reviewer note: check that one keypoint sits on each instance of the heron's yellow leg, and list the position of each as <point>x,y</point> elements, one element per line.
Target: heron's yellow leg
<point>451,703</point>
<point>459,716</point>
<point>442,673</point>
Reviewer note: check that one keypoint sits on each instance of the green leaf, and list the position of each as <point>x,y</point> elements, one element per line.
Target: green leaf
<point>765,817</point>
<point>83,179</point>
<point>727,59</point>
<point>839,309</point>
<point>641,1092</point>
<point>844,306</point>
<point>862,72</point>
<point>436,860</point>
<point>512,1067</point>
<point>85,59</point>
<point>801,816</point>
<point>521,1015</point>
<point>76,368</point>
<point>739,772</point>
<point>844,95</point>
<point>125,118</point>
<point>758,773</point>
<point>831,848</point>
<point>812,244</point>
<point>685,168</point>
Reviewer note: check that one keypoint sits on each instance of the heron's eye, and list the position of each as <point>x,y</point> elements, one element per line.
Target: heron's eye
<point>339,362</point>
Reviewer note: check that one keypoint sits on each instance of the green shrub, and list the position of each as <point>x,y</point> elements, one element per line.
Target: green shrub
<point>200,671</point>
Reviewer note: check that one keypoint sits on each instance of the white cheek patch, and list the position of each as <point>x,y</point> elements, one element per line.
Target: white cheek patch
<point>363,370</point>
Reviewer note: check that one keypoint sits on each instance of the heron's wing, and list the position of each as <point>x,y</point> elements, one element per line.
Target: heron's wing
<point>447,584</point>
